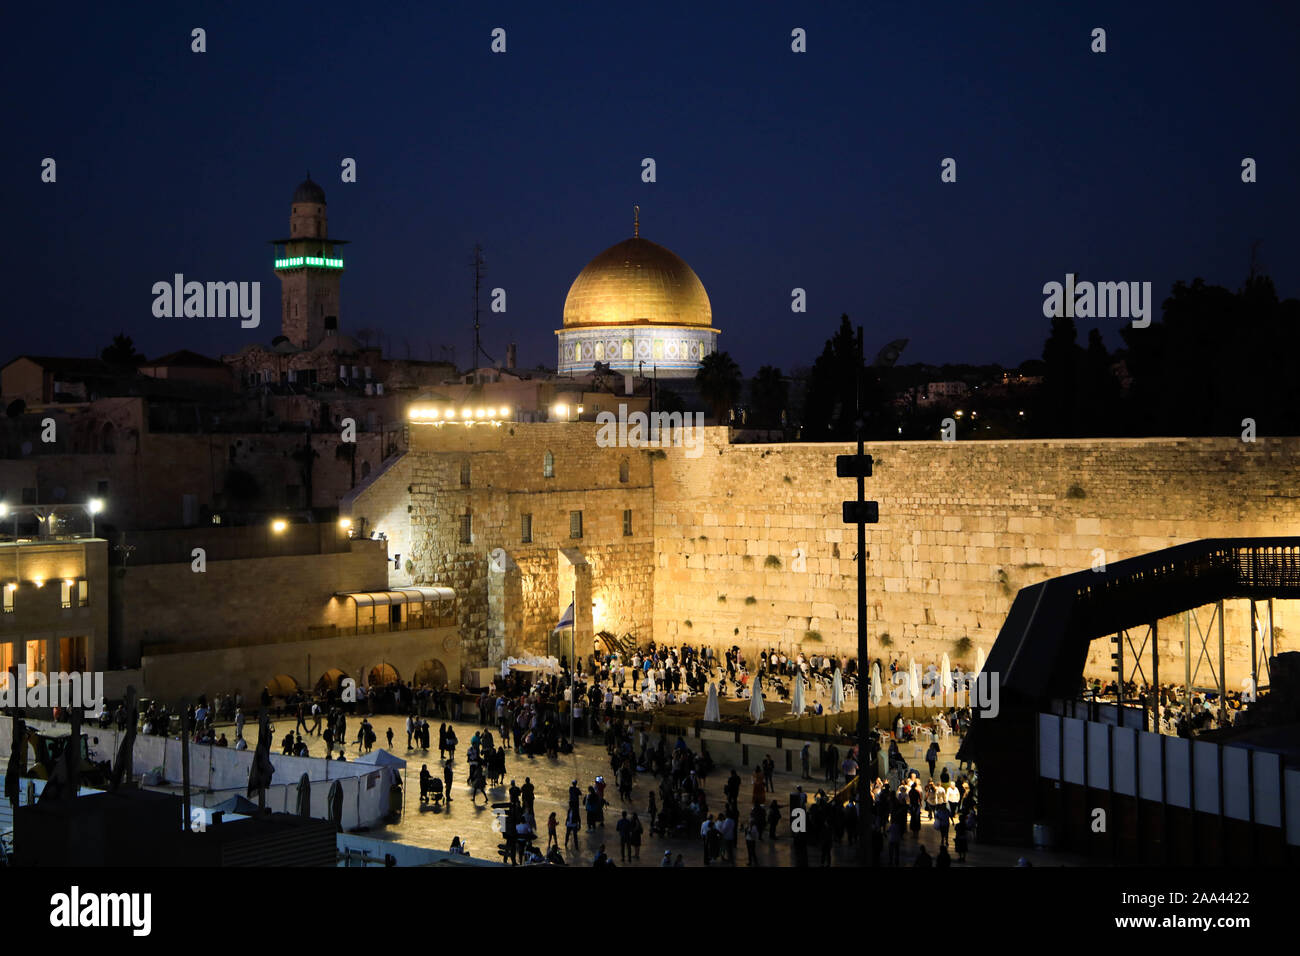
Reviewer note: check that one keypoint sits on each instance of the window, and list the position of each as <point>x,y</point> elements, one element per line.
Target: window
<point>466,528</point>
<point>10,589</point>
<point>101,487</point>
<point>575,524</point>
<point>627,522</point>
<point>83,590</point>
<point>526,528</point>
<point>65,599</point>
<point>464,473</point>
<point>623,471</point>
<point>548,465</point>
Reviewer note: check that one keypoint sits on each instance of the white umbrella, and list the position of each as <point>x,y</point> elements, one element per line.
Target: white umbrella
<point>796,706</point>
<point>756,700</point>
<point>979,659</point>
<point>876,694</point>
<point>837,692</point>
<point>913,683</point>
<point>711,712</point>
<point>945,676</point>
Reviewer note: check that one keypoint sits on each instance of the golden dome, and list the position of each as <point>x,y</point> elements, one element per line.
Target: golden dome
<point>637,283</point>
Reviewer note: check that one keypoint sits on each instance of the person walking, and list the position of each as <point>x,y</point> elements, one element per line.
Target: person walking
<point>773,818</point>
<point>447,777</point>
<point>805,758</point>
<point>410,729</point>
<point>932,756</point>
<point>624,828</point>
<point>751,844</point>
<point>636,832</point>
<point>551,825</point>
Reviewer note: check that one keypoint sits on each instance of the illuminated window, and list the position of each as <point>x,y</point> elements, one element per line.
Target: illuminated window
<point>65,593</point>
<point>526,528</point>
<point>10,590</point>
<point>548,465</point>
<point>36,651</point>
<point>83,586</point>
<point>575,524</point>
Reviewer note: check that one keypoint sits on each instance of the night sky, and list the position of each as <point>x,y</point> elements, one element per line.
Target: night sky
<point>775,169</point>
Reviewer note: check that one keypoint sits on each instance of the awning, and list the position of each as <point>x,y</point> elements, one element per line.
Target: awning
<point>413,595</point>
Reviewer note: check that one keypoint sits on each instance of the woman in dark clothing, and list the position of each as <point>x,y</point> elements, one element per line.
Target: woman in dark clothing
<point>914,809</point>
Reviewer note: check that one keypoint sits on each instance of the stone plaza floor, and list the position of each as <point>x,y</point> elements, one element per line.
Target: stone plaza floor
<point>478,826</point>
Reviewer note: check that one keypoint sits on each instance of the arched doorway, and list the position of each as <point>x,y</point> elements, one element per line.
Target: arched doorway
<point>381,674</point>
<point>281,685</point>
<point>329,681</point>
<point>431,673</point>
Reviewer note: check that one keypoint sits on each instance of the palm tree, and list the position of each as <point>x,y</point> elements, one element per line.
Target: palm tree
<point>720,382</point>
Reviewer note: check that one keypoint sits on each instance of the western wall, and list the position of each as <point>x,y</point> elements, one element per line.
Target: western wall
<point>744,544</point>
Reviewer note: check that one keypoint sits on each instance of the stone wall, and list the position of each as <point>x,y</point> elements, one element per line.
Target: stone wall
<point>244,599</point>
<point>418,501</point>
<point>750,547</point>
<point>744,544</point>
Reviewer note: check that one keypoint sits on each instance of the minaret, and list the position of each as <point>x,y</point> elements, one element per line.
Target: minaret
<point>309,270</point>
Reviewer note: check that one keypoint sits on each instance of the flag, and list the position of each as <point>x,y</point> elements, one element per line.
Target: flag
<point>566,621</point>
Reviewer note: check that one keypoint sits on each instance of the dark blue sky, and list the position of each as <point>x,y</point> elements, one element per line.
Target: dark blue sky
<point>775,170</point>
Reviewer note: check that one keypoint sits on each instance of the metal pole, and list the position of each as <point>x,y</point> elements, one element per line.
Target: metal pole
<point>1155,675</point>
<point>865,856</point>
<point>1223,680</point>
<point>573,668</point>
<point>1254,652</point>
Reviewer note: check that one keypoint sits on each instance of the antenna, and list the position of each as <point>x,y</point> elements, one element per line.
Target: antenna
<point>478,281</point>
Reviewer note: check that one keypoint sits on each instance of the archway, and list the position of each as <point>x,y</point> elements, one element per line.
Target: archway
<point>431,672</point>
<point>330,680</point>
<point>382,674</point>
<point>281,685</point>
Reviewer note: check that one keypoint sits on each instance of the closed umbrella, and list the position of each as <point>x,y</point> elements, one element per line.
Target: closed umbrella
<point>913,683</point>
<point>756,700</point>
<point>711,712</point>
<point>876,693</point>
<point>837,692</point>
<point>797,705</point>
<point>304,796</point>
<point>945,677</point>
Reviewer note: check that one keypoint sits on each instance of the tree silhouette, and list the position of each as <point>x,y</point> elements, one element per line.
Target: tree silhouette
<point>122,353</point>
<point>830,405</point>
<point>720,383</point>
<point>769,394</point>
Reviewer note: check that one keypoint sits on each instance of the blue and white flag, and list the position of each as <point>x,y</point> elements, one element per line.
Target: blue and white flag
<point>566,621</point>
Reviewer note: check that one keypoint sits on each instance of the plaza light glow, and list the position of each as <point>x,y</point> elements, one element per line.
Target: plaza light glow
<point>96,505</point>
<point>345,523</point>
<point>278,525</point>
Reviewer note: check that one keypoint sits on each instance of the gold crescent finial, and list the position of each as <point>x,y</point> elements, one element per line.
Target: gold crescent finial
<point>636,221</point>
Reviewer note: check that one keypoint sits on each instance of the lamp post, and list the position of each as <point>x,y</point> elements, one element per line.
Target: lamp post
<point>95,506</point>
